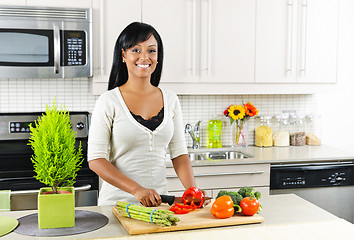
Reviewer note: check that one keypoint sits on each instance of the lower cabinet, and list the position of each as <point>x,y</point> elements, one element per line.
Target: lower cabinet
<point>214,178</point>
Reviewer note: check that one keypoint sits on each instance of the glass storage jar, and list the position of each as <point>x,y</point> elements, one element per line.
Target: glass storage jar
<point>313,129</point>
<point>264,131</point>
<point>281,134</point>
<point>297,130</point>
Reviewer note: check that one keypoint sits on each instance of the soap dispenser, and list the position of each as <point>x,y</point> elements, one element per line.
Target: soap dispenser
<point>214,130</point>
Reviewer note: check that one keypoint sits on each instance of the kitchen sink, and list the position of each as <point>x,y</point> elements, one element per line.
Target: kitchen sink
<point>218,155</point>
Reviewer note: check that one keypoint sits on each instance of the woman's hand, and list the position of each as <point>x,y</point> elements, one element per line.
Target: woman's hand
<point>148,197</point>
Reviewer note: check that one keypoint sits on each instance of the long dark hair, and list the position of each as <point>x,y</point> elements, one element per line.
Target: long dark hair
<point>133,34</point>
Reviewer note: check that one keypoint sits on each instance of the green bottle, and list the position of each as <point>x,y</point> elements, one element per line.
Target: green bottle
<point>214,129</point>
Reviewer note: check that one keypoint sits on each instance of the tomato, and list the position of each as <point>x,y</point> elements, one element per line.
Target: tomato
<point>223,207</point>
<point>249,205</point>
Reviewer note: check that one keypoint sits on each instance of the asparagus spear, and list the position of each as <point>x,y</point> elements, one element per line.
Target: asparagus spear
<point>159,216</point>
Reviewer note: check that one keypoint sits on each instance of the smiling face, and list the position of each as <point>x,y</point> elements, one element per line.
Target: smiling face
<point>141,59</point>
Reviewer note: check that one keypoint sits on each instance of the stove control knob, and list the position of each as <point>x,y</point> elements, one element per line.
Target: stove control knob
<point>80,125</point>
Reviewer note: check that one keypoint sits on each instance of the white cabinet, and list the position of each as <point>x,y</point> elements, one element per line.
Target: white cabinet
<point>205,41</point>
<point>224,177</point>
<point>60,3</point>
<point>179,27</point>
<point>296,41</point>
<point>13,2</point>
<point>229,46</point>
<point>110,17</point>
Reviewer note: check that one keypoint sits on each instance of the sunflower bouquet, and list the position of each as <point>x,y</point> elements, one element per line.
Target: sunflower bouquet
<point>238,115</point>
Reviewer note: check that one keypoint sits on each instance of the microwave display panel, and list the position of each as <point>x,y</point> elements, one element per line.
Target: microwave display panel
<point>74,48</point>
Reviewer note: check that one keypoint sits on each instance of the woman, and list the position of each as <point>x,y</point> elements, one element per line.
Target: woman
<point>135,122</point>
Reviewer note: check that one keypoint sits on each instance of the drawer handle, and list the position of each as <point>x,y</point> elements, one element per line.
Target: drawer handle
<point>219,174</point>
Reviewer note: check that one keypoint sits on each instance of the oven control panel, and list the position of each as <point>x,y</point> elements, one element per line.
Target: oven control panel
<point>16,126</point>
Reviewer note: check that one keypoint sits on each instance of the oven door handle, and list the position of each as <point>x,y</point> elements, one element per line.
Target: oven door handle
<point>82,188</point>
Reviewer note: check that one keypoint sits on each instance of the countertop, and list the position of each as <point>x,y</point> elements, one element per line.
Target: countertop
<point>278,155</point>
<point>286,217</point>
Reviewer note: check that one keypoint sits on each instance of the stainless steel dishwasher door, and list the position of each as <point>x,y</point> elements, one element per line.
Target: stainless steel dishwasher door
<point>336,200</point>
<point>329,186</point>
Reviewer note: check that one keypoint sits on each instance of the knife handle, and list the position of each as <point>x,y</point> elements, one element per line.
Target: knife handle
<point>167,199</point>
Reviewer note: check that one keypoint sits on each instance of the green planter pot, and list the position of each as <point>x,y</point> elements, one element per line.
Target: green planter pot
<point>56,210</point>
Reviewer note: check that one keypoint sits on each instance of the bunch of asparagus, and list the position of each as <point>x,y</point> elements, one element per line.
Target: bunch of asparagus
<point>159,216</point>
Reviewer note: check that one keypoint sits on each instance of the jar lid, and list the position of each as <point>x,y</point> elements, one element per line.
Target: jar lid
<point>263,117</point>
<point>312,117</point>
<point>281,117</point>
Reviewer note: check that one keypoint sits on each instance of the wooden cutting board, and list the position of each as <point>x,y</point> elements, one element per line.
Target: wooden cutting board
<point>199,218</point>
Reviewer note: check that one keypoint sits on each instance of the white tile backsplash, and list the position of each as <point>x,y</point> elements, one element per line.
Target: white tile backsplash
<point>31,95</point>
<point>206,107</point>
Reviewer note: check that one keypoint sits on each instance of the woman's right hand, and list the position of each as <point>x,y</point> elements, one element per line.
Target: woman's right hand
<point>148,197</point>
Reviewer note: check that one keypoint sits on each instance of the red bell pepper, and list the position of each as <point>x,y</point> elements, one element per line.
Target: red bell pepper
<point>180,209</point>
<point>193,197</point>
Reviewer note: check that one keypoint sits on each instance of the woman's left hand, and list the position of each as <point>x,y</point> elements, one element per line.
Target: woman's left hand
<point>205,202</point>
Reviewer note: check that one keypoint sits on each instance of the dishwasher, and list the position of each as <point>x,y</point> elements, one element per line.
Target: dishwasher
<point>328,185</point>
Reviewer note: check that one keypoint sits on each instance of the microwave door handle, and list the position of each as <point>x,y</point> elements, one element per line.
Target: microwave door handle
<point>56,33</point>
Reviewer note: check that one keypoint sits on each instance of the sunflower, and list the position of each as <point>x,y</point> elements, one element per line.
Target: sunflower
<point>250,109</point>
<point>236,112</point>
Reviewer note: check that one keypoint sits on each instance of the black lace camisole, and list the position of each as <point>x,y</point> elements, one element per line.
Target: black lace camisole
<point>151,123</point>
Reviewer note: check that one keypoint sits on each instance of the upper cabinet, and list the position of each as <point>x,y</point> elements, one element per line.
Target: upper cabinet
<point>296,41</point>
<point>229,46</point>
<point>110,17</point>
<point>205,41</point>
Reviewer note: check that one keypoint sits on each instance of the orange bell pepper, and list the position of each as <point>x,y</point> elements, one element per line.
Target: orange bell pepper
<point>223,207</point>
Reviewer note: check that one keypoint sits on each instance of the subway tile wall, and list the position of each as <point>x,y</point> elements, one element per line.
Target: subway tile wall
<point>206,107</point>
<point>31,95</point>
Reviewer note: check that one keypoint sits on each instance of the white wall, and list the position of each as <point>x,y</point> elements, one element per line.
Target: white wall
<point>336,107</point>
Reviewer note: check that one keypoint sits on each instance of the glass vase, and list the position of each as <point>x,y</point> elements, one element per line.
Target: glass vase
<point>239,134</point>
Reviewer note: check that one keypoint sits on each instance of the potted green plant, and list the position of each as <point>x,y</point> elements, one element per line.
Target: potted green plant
<point>56,162</point>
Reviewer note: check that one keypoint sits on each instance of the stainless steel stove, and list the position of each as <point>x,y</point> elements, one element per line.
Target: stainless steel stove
<point>16,168</point>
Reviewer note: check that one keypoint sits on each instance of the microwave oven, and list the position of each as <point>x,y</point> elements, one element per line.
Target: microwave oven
<point>43,42</point>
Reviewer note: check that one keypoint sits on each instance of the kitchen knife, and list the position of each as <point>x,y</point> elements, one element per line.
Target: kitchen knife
<point>170,199</point>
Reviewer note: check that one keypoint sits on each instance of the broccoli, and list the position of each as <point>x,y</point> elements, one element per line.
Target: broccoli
<point>221,193</point>
<point>257,195</point>
<point>246,191</point>
<point>235,196</point>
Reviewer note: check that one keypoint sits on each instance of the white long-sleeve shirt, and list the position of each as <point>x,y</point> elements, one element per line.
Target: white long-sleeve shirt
<point>135,150</point>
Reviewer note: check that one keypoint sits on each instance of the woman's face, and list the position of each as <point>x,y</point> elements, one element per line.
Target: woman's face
<point>141,59</point>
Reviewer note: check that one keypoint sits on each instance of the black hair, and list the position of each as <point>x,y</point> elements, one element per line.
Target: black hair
<point>133,34</point>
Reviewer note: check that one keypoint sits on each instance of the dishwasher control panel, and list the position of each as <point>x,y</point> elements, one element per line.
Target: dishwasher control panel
<point>311,175</point>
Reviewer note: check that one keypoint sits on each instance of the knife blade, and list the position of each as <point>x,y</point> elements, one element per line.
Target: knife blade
<point>170,199</point>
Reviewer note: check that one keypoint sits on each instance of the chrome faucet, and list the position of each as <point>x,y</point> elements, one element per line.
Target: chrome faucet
<point>194,134</point>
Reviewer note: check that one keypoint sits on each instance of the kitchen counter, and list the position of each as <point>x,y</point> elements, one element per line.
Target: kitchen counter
<point>278,155</point>
<point>286,217</point>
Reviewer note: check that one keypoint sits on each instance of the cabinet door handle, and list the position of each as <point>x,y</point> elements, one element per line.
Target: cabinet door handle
<point>303,37</point>
<point>290,37</point>
<point>220,174</point>
<point>194,32</point>
<point>209,39</point>
<point>102,37</point>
